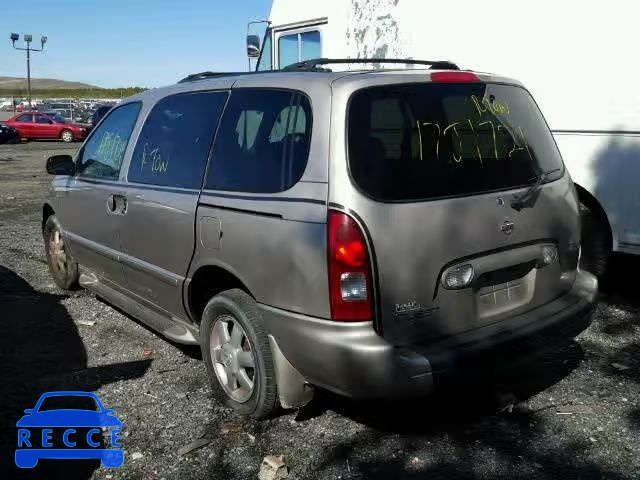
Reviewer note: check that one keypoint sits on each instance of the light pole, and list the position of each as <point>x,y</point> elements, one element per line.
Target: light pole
<point>28,39</point>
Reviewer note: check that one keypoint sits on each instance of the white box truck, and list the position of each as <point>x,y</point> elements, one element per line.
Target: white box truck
<point>576,58</point>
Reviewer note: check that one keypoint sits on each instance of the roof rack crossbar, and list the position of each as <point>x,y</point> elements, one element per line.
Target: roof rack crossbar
<point>312,64</point>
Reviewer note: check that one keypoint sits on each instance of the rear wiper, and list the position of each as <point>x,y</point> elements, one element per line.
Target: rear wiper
<point>519,202</point>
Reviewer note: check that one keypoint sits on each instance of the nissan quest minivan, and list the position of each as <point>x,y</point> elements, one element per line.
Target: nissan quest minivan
<point>367,231</point>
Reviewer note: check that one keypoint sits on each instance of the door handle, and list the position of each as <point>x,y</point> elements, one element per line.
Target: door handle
<point>117,204</point>
<point>111,204</point>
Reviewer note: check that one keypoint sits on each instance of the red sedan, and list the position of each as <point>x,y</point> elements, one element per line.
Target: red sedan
<point>47,125</point>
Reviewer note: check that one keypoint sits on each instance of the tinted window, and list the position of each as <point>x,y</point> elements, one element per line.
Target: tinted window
<point>174,143</point>
<point>103,152</point>
<point>412,142</point>
<point>263,142</point>
<point>25,118</point>
<point>40,118</point>
<point>265,57</point>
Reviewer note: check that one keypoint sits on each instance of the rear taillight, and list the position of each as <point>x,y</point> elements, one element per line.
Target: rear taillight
<point>350,285</point>
<point>454,77</point>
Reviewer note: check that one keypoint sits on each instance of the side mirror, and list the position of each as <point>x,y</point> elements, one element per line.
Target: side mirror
<point>60,165</point>
<point>253,46</point>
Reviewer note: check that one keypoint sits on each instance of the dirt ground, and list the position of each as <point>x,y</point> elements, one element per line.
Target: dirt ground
<point>576,412</point>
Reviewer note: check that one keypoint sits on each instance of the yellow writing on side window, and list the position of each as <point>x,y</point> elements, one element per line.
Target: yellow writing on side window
<point>154,157</point>
<point>111,148</point>
<point>494,106</point>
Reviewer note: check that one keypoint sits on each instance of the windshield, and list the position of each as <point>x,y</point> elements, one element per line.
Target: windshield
<point>56,117</point>
<point>423,141</point>
<point>69,402</point>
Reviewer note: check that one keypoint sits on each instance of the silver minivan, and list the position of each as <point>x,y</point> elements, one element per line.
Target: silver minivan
<point>370,232</point>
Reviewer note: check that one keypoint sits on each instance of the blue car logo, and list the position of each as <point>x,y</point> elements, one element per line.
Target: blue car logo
<point>77,430</point>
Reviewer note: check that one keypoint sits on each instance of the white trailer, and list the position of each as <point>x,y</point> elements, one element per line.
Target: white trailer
<point>576,58</point>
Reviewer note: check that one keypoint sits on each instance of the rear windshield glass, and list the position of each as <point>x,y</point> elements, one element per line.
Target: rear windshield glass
<point>423,141</point>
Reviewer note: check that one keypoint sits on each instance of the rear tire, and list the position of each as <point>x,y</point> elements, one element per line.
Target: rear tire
<point>62,266</point>
<point>595,241</point>
<point>67,136</point>
<point>237,359</point>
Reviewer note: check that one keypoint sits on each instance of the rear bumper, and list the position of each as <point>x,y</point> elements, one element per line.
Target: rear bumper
<point>353,360</point>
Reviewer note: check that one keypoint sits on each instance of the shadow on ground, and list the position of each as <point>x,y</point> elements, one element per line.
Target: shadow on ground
<point>191,351</point>
<point>471,418</point>
<point>620,285</point>
<point>41,351</point>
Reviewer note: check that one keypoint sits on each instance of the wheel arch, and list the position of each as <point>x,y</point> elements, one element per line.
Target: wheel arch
<point>594,206</point>
<point>207,281</point>
<point>47,211</point>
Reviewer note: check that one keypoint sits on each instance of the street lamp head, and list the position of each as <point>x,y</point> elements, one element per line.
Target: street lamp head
<point>14,38</point>
<point>43,40</point>
<point>28,38</point>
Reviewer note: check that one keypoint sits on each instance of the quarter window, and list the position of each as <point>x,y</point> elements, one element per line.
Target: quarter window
<point>103,152</point>
<point>174,143</point>
<point>263,142</point>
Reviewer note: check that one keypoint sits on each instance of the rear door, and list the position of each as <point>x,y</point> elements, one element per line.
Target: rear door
<point>43,126</point>
<point>438,167</point>
<point>163,184</point>
<point>94,205</point>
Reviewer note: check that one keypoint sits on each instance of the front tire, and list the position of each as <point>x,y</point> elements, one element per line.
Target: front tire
<point>237,354</point>
<point>67,136</point>
<point>62,266</point>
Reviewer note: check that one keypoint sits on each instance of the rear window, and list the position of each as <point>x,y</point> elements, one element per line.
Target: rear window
<point>424,141</point>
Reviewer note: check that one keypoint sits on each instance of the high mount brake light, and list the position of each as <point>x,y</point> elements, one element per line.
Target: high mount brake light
<point>350,282</point>
<point>455,77</point>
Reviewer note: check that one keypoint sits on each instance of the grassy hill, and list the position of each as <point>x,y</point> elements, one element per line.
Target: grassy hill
<point>52,88</point>
<point>15,83</point>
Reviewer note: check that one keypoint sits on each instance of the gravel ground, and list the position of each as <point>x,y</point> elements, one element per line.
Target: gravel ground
<point>576,412</point>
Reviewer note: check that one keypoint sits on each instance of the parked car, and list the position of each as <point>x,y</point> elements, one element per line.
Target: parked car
<point>369,232</point>
<point>99,113</point>
<point>8,134</point>
<point>43,125</point>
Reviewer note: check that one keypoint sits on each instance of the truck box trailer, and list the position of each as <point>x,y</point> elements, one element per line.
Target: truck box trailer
<point>575,57</point>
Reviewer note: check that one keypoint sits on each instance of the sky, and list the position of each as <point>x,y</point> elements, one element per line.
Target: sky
<point>119,43</point>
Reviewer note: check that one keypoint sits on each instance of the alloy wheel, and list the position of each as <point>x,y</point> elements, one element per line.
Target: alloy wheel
<point>233,359</point>
<point>57,252</point>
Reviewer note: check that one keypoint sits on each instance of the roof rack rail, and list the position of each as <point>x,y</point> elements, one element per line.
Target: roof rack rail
<point>203,75</point>
<point>312,64</point>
